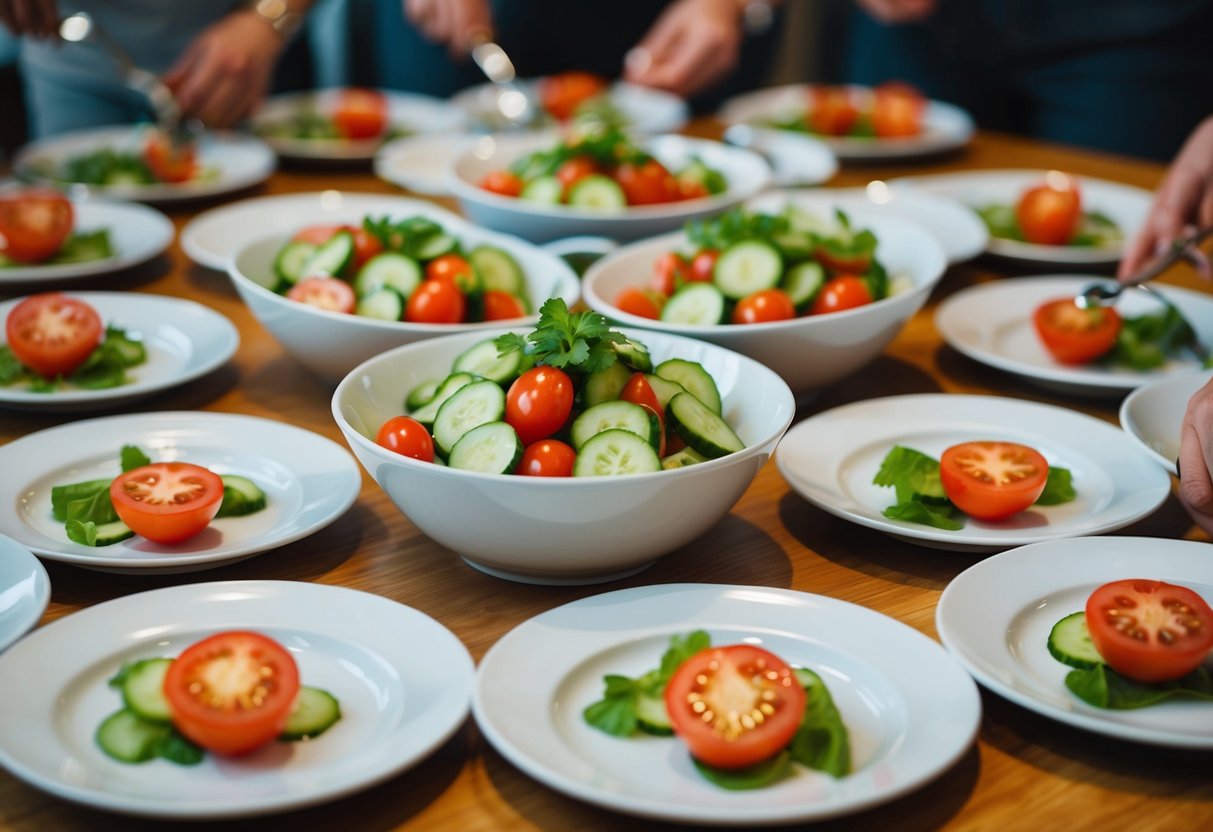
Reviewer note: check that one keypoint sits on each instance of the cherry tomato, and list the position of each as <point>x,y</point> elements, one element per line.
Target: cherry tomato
<point>169,162</point>
<point>1049,214</point>
<point>897,111</point>
<point>34,224</point>
<point>331,294</point>
<point>574,170</point>
<point>407,437</point>
<point>647,183</point>
<point>547,458</point>
<point>53,334</point>
<point>317,235</point>
<point>704,265</point>
<point>436,302</point>
<point>637,390</point>
<point>454,268</point>
<point>643,303</point>
<point>233,692</point>
<point>1149,630</point>
<point>764,306</point>
<point>838,261</point>
<point>670,271</point>
<point>500,305</point>
<point>539,403</point>
<point>361,114</point>
<point>832,110</point>
<point>562,94</point>
<point>842,292</point>
<point>734,706</point>
<point>692,189</point>
<point>366,246</point>
<point>1073,335</point>
<point>992,480</point>
<point>502,182</point>
<point>167,502</point>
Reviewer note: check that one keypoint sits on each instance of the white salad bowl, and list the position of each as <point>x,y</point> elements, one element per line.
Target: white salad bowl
<point>577,530</point>
<point>745,171</point>
<point>330,344</point>
<point>807,352</point>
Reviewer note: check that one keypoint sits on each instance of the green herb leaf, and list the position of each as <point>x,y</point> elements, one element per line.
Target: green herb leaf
<point>1058,488</point>
<point>61,495</point>
<point>133,457</point>
<point>757,776</point>
<point>573,341</point>
<point>177,749</point>
<point>911,473</point>
<point>84,533</point>
<point>615,713</point>
<point>917,511</point>
<point>1103,687</point>
<point>97,508</point>
<point>11,370</point>
<point>681,648</point>
<point>821,742</point>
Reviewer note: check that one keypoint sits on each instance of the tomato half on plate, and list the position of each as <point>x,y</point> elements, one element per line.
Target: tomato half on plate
<point>1049,214</point>
<point>34,224</point>
<point>53,334</point>
<point>1073,335</point>
<point>563,93</point>
<point>1150,631</point>
<point>167,502</point>
<point>169,162</point>
<point>361,114</point>
<point>232,693</point>
<point>734,706</point>
<point>992,480</point>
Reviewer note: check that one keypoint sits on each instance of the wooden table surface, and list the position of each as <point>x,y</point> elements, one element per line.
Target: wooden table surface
<point>1025,772</point>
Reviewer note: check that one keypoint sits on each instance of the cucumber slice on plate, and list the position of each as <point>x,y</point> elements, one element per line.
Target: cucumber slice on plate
<point>614,453</point>
<point>389,269</point>
<point>695,304</point>
<point>332,258</point>
<point>694,379</point>
<point>110,533</point>
<point>498,270</point>
<point>130,738</point>
<point>472,405</point>
<point>544,190</point>
<point>747,267</point>
<point>315,712</point>
<point>483,359</point>
<point>652,716</point>
<point>616,415</point>
<point>491,448</point>
<point>142,686</point>
<point>802,283</point>
<point>1070,643</point>
<point>291,260</point>
<point>241,496</point>
<point>452,383</point>
<point>384,304</point>
<point>701,428</point>
<point>598,193</point>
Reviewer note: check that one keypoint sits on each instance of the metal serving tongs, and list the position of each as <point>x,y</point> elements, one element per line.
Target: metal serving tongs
<point>511,102</point>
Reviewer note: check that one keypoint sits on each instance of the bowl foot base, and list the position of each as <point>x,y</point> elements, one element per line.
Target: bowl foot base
<point>556,580</point>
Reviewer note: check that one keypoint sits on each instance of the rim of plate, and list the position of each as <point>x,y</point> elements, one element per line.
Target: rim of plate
<point>17,561</point>
<point>661,112</point>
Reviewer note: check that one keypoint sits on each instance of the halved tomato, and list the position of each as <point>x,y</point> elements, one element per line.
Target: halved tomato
<point>360,114</point>
<point>328,293</point>
<point>992,480</point>
<point>232,693</point>
<point>832,110</point>
<point>643,303</point>
<point>1149,630</point>
<point>53,334</point>
<point>500,305</point>
<point>34,224</point>
<point>561,94</point>
<point>167,502</point>
<point>647,183</point>
<point>502,182</point>
<point>1049,214</point>
<point>1073,335</point>
<point>169,161</point>
<point>897,110</point>
<point>734,706</point>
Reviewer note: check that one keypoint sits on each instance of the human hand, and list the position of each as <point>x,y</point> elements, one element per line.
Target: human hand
<point>1196,458</point>
<point>30,17</point>
<point>898,11</point>
<point>456,23</point>
<point>693,44</point>
<point>225,72</point>
<point>1184,198</point>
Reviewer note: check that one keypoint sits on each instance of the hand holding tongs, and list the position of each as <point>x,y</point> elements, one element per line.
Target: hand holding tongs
<point>1104,294</point>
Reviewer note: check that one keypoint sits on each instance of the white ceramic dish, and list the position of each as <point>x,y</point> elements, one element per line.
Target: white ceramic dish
<point>745,171</point>
<point>309,482</point>
<point>25,590</point>
<point>406,112</point>
<point>562,531</point>
<point>422,163</point>
<point>1153,415</point>
<point>1126,205</point>
<point>961,233</point>
<point>910,711</point>
<point>945,126</point>
<point>403,680</point>
<point>330,344</point>
<point>137,234</point>
<point>995,617</point>
<point>831,457</point>
<point>230,162</point>
<point>795,160</point>
<point>992,323</point>
<point>184,340</point>
<point>807,352</point>
<point>644,110</point>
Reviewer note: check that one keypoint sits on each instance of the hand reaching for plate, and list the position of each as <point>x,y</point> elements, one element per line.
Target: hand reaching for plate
<point>693,44</point>
<point>1196,458</point>
<point>30,17</point>
<point>456,23</point>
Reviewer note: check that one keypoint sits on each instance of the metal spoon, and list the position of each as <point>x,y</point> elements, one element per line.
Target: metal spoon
<point>510,102</point>
<point>1105,294</point>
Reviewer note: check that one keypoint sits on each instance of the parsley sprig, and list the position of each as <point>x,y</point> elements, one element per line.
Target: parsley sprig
<point>566,340</point>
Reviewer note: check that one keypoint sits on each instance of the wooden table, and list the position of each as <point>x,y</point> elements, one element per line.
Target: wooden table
<point>1026,772</point>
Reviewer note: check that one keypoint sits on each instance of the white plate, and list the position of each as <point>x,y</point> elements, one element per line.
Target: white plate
<point>211,238</point>
<point>992,323</point>
<point>403,681</point>
<point>25,590</point>
<point>234,161</point>
<point>137,234</point>
<point>308,480</point>
<point>961,233</point>
<point>1153,415</point>
<point>184,340</point>
<point>645,110</point>
<point>945,126</point>
<point>408,112</point>
<point>995,617</point>
<point>831,458</point>
<point>1125,204</point>
<point>909,709</point>
<point>796,160</point>
<point>421,163</point>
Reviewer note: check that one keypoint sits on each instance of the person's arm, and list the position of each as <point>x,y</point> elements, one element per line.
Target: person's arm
<point>898,11</point>
<point>1196,458</point>
<point>39,18</point>
<point>455,23</point>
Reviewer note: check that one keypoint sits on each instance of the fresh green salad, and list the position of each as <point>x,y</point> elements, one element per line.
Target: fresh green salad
<point>1094,229</point>
<point>80,247</point>
<point>104,368</point>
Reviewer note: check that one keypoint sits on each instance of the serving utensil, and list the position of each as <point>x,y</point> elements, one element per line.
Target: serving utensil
<point>514,106</point>
<point>1104,294</point>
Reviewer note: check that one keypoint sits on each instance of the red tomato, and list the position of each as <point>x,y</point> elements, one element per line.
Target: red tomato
<point>366,246</point>
<point>436,302</point>
<point>502,182</point>
<point>734,706</point>
<point>561,94</point>
<point>574,170</point>
<point>317,235</point>
<point>897,111</point>
<point>842,292</point>
<point>704,265</point>
<point>547,458</point>
<point>1073,335</point>
<point>670,271</point>
<point>407,437</point>
<point>648,183</point>
<point>361,114</point>
<point>454,268</point>
<point>539,403</point>
<point>34,224</point>
<point>53,334</point>
<point>1049,214</point>
<point>167,502</point>
<point>692,189</point>
<point>500,305</point>
<point>838,262</point>
<point>331,294</point>
<point>643,303</point>
<point>1149,630</point>
<point>232,693</point>
<point>764,306</point>
<point>639,391</point>
<point>169,162</point>
<point>832,110</point>
<point>992,480</point>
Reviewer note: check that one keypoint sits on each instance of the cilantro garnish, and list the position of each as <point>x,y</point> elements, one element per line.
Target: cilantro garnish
<point>567,340</point>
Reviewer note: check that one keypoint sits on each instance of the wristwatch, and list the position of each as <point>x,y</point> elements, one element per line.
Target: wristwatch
<point>280,17</point>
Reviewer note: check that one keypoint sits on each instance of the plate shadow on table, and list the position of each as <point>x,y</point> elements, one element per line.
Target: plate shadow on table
<point>133,277</point>
<point>207,281</point>
<point>886,376</point>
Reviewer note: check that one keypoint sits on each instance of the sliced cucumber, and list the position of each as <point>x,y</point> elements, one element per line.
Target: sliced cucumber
<point>652,716</point>
<point>808,222</point>
<point>291,260</point>
<point>795,245</point>
<point>483,359</point>
<point>613,415</point>
<point>695,304</point>
<point>130,738</point>
<point>747,267</point>
<point>635,355</point>
<point>606,384</point>
<point>615,453</point>
<point>1070,643</point>
<point>390,269</point>
<point>436,245</point>
<point>142,686</point>
<point>421,395</point>
<point>802,283</point>
<point>315,712</point>
<point>429,411</point>
<point>685,457</point>
<point>598,193</point>
<point>499,270</point>
<point>241,496</point>
<point>492,448</point>
<point>694,379</point>
<point>332,258</point>
<point>701,428</point>
<point>384,304</point>
<point>470,406</point>
<point>544,190</point>
<point>110,533</point>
